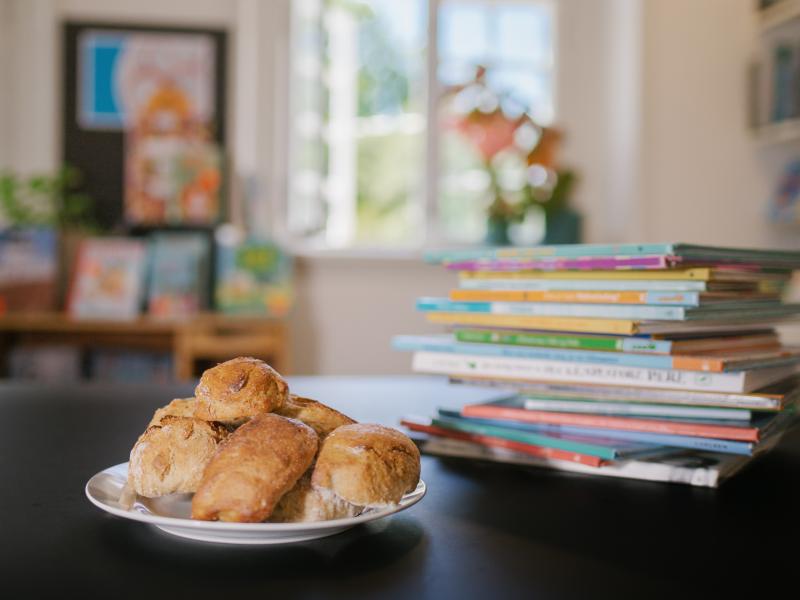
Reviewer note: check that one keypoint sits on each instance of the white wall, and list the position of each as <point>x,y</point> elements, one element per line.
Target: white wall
<point>706,180</point>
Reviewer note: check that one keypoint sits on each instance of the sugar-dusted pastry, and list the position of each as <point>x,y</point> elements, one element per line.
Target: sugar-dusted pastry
<point>258,464</point>
<point>321,418</point>
<point>171,456</point>
<point>367,465</point>
<point>305,503</point>
<point>180,407</point>
<point>239,389</point>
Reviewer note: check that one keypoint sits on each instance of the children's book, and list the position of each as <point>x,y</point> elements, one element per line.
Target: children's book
<point>179,274</point>
<point>538,370</point>
<point>609,311</point>
<point>504,428</point>
<point>775,397</point>
<point>688,467</point>
<point>109,279</point>
<point>758,340</point>
<point>735,361</point>
<point>693,252</point>
<point>253,277</point>
<point>689,299</point>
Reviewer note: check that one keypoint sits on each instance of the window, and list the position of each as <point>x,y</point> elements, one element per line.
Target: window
<point>372,160</point>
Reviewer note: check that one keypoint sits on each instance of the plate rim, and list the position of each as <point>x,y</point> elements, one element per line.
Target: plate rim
<point>407,501</point>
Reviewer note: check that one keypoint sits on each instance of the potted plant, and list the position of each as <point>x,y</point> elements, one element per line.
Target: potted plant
<point>500,137</point>
<point>40,218</point>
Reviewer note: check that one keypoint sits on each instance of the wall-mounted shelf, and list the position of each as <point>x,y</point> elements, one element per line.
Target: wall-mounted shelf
<point>778,14</point>
<point>778,133</point>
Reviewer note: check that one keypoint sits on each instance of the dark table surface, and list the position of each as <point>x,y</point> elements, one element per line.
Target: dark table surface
<point>484,530</point>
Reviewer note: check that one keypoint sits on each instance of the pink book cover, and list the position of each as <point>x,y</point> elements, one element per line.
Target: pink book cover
<point>746,434</point>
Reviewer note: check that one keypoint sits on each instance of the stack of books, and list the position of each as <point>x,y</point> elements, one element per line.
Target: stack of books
<point>655,361</point>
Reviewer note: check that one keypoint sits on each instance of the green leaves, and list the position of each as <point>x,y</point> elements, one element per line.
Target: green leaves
<point>43,200</point>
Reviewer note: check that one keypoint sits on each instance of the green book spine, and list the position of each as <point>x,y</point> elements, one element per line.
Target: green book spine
<point>525,437</point>
<point>478,336</point>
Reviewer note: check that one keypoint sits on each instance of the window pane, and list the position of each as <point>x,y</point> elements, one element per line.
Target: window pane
<point>512,42</point>
<point>360,124</point>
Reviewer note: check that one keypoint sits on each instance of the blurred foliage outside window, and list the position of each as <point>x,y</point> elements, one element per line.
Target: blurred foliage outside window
<point>360,130</point>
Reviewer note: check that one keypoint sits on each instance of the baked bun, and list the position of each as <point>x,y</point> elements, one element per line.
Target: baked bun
<point>239,389</point>
<point>304,503</point>
<point>367,465</point>
<point>322,419</point>
<point>258,464</point>
<point>170,456</point>
<point>180,407</point>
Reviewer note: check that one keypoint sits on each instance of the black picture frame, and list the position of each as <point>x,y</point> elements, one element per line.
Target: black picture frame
<point>99,154</point>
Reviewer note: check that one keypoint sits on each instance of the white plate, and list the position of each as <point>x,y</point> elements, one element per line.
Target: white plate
<point>171,514</point>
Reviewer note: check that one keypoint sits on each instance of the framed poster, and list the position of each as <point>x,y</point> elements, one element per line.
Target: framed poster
<point>144,121</point>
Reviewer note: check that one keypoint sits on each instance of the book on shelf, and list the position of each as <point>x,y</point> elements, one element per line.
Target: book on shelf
<point>253,277</point>
<point>179,274</point>
<point>108,282</point>
<point>526,369</point>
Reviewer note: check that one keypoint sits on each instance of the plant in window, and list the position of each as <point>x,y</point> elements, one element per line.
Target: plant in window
<point>520,158</point>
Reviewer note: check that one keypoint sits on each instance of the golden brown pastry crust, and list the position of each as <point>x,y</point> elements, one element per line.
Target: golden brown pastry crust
<point>180,407</point>
<point>321,418</point>
<point>171,456</point>
<point>367,465</point>
<point>238,389</point>
<point>258,464</point>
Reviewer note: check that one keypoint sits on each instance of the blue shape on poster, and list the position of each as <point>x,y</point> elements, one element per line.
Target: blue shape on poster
<point>99,107</point>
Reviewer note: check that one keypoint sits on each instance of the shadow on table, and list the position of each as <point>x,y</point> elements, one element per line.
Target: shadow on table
<point>370,547</point>
<point>649,528</point>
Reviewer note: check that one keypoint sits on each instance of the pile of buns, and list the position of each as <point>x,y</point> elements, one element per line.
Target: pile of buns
<point>251,451</point>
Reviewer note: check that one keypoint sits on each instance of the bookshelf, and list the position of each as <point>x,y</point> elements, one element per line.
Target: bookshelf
<point>205,337</point>
<point>780,13</point>
<point>778,133</point>
<point>778,27</point>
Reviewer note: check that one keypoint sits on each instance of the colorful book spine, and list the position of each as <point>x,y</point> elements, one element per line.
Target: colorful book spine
<point>621,436</point>
<point>655,441</point>
<point>694,274</point>
<point>564,340</point>
<point>609,326</point>
<point>577,296</point>
<point>683,466</point>
<point>568,250</point>
<point>500,413</point>
<point>544,309</point>
<point>650,361</point>
<point>559,263</point>
<point>520,284</point>
<point>600,393</point>
<point>526,369</point>
<point>496,442</point>
<point>417,343</point>
<point>637,409</point>
<point>528,437</point>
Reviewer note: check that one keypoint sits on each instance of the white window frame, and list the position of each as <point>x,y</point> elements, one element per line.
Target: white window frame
<point>279,188</point>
